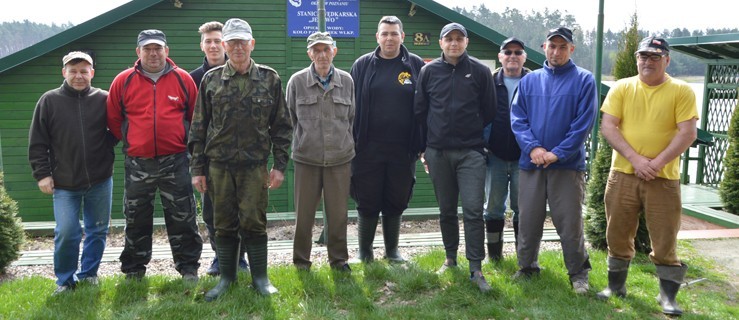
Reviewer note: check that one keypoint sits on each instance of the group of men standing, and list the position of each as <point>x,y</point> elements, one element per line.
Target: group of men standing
<point>480,135</point>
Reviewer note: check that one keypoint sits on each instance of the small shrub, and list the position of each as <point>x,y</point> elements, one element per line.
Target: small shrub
<point>11,230</point>
<point>729,189</point>
<point>595,212</point>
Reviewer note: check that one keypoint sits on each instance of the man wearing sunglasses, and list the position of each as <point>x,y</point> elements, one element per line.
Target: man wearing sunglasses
<point>551,116</point>
<point>649,120</point>
<point>503,151</point>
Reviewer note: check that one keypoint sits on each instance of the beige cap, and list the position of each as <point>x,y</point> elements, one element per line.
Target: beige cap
<point>76,55</point>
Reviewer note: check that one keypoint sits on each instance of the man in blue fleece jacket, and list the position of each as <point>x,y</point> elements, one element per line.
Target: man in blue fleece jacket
<point>551,117</point>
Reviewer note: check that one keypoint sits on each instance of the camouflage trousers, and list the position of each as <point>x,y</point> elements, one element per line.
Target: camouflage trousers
<point>169,174</point>
<point>239,195</point>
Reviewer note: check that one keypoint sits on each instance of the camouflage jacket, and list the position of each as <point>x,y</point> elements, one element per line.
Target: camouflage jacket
<point>239,119</point>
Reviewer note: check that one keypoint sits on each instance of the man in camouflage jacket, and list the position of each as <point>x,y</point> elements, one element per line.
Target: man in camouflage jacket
<point>240,116</point>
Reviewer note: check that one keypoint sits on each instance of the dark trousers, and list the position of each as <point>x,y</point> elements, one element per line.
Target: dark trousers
<point>169,174</point>
<point>460,174</point>
<point>382,180</point>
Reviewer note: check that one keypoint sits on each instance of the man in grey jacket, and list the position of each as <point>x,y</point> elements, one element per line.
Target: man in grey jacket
<point>321,103</point>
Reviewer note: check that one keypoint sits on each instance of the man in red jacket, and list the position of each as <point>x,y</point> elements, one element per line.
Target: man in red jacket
<point>150,107</point>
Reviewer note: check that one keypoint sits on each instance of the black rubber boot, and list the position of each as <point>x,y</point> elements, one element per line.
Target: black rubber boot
<point>256,251</point>
<point>391,235</point>
<point>670,279</point>
<point>618,270</point>
<point>515,233</point>
<point>495,238</point>
<point>228,249</point>
<point>366,227</point>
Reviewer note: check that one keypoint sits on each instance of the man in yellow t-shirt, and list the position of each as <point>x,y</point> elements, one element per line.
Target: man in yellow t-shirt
<point>649,120</point>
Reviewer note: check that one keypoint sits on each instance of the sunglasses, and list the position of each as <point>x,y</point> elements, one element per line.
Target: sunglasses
<point>510,52</point>
<point>645,57</point>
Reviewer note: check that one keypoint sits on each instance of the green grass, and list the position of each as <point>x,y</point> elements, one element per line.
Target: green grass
<point>381,291</point>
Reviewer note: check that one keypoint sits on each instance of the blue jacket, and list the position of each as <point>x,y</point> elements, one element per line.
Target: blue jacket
<point>555,109</point>
<point>454,103</point>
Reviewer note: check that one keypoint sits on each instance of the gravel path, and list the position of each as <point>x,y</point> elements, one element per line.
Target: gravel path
<point>281,231</point>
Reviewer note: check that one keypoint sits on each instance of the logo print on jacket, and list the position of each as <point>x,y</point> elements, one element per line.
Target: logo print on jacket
<point>174,99</point>
<point>404,78</point>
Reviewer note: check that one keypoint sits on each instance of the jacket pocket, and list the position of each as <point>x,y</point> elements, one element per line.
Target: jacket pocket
<point>307,108</point>
<point>342,107</point>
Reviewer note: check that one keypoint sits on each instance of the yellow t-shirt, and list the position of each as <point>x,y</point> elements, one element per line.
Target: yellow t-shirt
<point>649,117</point>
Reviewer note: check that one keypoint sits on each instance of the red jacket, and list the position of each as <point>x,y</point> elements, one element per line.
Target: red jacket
<point>152,119</point>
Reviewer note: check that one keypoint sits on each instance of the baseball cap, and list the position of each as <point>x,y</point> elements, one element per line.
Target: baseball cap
<point>451,27</point>
<point>152,36</point>
<point>76,55</point>
<point>511,40</point>
<point>236,29</point>
<point>561,32</point>
<point>654,45</point>
<point>320,37</point>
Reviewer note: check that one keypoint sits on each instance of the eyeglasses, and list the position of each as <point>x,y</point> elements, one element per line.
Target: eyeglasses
<point>645,57</point>
<point>510,52</point>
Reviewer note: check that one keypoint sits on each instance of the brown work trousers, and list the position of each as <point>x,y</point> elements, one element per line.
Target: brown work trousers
<point>625,198</point>
<point>310,182</point>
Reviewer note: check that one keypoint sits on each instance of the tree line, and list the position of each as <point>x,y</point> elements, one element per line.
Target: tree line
<point>528,26</point>
<point>531,27</point>
<point>20,35</point>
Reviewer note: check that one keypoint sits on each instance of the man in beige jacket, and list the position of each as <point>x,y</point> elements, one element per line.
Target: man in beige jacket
<point>321,103</point>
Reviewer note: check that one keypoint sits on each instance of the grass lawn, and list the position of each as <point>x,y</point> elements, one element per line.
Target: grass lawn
<point>382,291</point>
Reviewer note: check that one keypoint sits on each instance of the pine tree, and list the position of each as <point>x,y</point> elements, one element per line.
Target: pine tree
<point>729,189</point>
<point>595,212</point>
<point>11,230</point>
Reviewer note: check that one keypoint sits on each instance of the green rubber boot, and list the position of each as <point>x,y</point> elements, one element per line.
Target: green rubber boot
<point>228,259</point>
<point>391,235</point>
<point>366,227</point>
<point>256,250</point>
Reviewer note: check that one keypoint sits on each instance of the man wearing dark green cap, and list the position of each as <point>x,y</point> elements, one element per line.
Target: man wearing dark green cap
<point>240,118</point>
<point>321,103</point>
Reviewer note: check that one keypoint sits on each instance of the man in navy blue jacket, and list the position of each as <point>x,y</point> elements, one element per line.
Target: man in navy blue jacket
<point>503,150</point>
<point>455,100</point>
<point>551,117</point>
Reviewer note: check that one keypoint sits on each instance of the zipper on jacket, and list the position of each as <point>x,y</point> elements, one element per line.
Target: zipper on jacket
<point>84,139</point>
<point>156,152</point>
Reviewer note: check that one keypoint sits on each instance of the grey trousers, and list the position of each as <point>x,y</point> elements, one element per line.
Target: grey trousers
<point>564,191</point>
<point>460,173</point>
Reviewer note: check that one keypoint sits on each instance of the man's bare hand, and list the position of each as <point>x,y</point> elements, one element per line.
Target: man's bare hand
<point>538,156</point>
<point>275,179</point>
<point>46,185</point>
<point>199,183</point>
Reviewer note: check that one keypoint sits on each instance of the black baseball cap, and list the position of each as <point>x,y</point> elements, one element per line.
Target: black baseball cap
<point>511,40</point>
<point>654,45</point>
<point>151,36</point>
<point>561,32</point>
<point>451,27</point>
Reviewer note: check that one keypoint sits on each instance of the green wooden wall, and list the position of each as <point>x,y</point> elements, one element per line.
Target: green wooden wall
<point>114,48</point>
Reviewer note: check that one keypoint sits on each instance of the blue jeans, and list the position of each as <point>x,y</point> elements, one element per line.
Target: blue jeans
<point>95,204</point>
<point>500,175</point>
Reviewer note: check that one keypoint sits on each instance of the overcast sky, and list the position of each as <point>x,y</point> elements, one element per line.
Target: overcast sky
<point>654,15</point>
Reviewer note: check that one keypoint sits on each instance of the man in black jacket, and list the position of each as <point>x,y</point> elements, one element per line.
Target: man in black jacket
<point>503,150</point>
<point>386,136</point>
<point>71,153</point>
<point>455,100</point>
